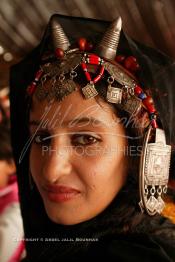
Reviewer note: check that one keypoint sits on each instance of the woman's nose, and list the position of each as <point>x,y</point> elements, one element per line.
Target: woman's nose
<point>56,163</point>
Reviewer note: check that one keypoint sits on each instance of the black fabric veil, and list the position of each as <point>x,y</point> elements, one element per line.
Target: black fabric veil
<point>157,73</point>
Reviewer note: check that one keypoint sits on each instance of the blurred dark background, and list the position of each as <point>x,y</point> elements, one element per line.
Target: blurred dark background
<point>22,23</point>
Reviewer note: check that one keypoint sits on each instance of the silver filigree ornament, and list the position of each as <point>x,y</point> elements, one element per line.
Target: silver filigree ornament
<point>119,75</point>
<point>42,89</point>
<point>154,172</point>
<point>114,94</point>
<point>132,104</point>
<point>63,89</point>
<point>89,90</point>
<point>54,73</point>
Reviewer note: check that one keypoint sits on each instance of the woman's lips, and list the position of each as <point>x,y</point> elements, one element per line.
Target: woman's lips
<point>59,193</point>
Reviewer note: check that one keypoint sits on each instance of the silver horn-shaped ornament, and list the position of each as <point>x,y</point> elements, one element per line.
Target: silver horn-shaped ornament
<point>59,38</point>
<point>108,46</point>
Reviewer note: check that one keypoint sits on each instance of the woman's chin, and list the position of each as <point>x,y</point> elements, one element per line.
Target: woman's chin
<point>63,219</point>
<point>61,215</point>
<point>67,216</point>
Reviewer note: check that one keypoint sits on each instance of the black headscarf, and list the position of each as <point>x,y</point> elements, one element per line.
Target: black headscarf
<point>157,73</point>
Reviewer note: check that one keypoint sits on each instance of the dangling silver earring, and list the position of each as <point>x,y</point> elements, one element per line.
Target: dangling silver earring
<point>154,172</point>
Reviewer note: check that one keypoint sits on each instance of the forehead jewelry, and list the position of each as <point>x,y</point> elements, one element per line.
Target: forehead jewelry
<point>114,94</point>
<point>89,90</point>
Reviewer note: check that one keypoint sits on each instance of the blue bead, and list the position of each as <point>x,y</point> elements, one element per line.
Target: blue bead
<point>152,116</point>
<point>142,96</point>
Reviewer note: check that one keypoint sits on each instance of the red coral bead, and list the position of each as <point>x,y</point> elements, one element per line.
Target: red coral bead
<point>151,109</point>
<point>88,77</point>
<point>84,67</point>
<point>59,53</point>
<point>138,90</point>
<point>31,88</point>
<point>38,75</point>
<point>135,67</point>
<point>148,102</point>
<point>131,64</point>
<point>82,43</point>
<point>119,58</point>
<point>88,46</point>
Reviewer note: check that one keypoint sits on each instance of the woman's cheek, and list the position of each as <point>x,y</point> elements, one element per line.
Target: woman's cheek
<point>93,174</point>
<point>36,160</point>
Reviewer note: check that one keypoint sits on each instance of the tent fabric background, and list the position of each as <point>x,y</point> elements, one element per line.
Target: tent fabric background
<point>22,23</point>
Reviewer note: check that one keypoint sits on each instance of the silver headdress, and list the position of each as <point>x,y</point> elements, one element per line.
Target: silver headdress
<point>108,46</point>
<point>59,38</point>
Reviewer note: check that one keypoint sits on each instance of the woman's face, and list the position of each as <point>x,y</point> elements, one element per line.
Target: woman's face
<point>77,157</point>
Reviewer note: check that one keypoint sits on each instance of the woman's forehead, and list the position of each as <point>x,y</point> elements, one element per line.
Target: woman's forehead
<point>74,106</point>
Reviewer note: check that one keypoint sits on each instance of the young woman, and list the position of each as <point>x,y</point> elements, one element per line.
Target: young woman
<point>89,145</point>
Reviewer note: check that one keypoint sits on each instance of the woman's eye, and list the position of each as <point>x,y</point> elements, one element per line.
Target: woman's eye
<point>84,140</point>
<point>41,139</point>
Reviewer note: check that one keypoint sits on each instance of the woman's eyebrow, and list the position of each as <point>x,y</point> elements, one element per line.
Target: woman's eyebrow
<point>84,120</point>
<point>73,122</point>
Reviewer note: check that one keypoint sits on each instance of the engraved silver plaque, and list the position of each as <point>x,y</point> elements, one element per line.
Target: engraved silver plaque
<point>154,172</point>
<point>89,91</point>
<point>119,75</point>
<point>157,164</point>
<point>114,95</point>
<point>64,66</point>
<point>132,105</point>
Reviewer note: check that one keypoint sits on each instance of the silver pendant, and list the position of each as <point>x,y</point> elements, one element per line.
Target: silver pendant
<point>63,89</point>
<point>114,95</point>
<point>89,91</point>
<point>154,171</point>
<point>132,105</point>
<point>157,161</point>
<point>151,203</point>
<point>160,204</point>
